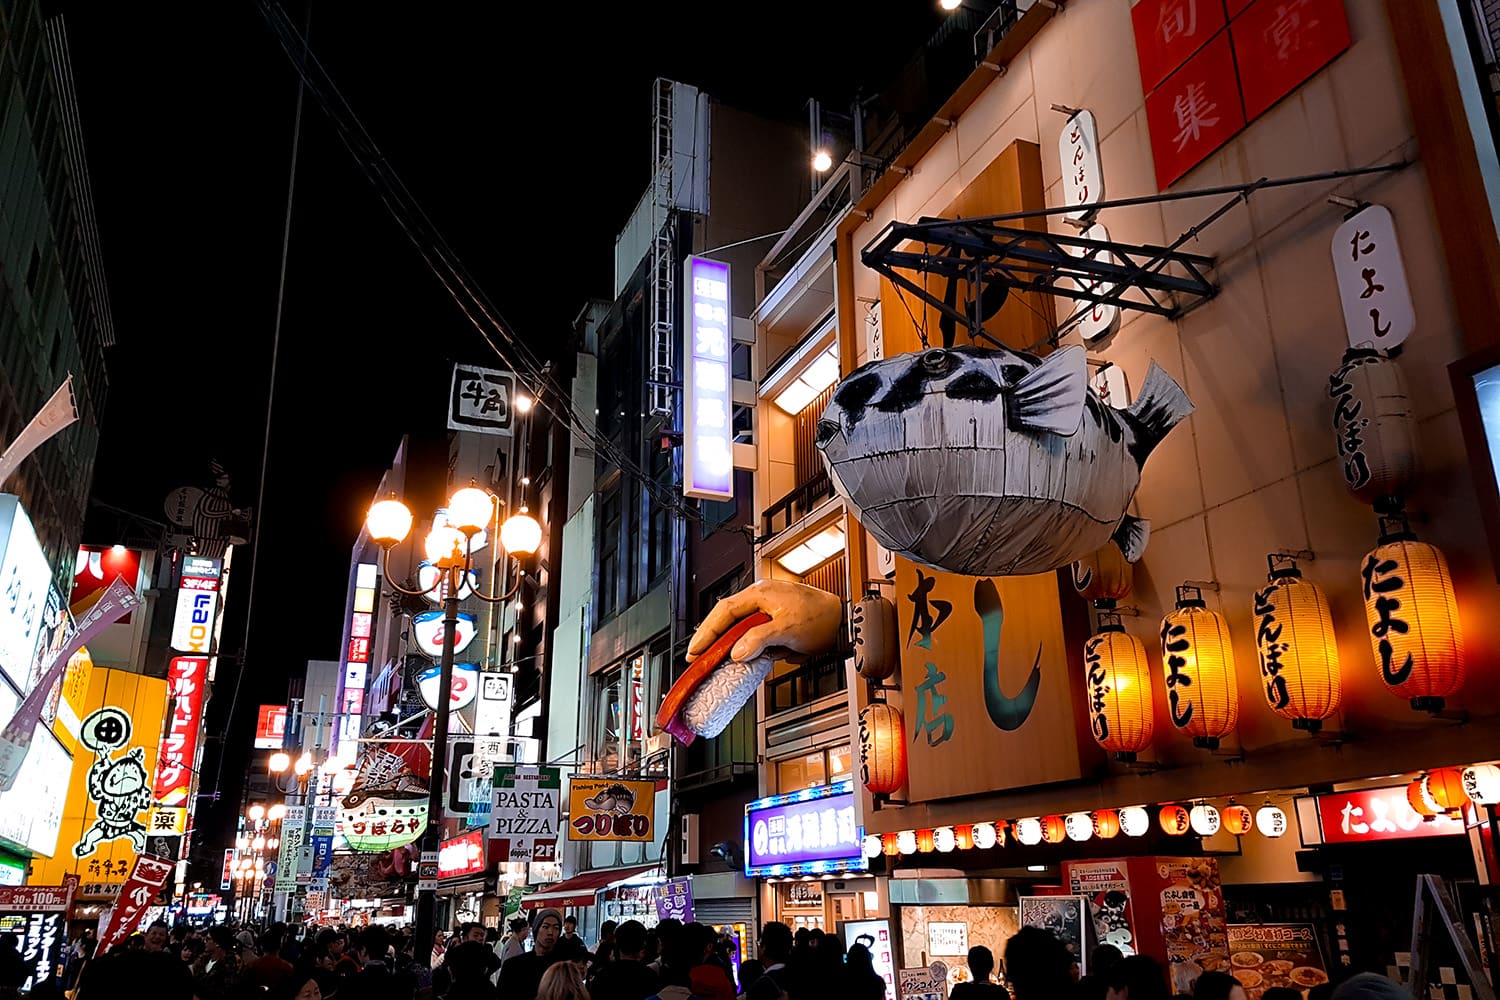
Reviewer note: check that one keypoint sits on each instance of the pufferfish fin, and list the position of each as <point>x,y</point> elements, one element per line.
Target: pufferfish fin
<point>1050,396</point>
<point>1131,536</point>
<point>1161,406</point>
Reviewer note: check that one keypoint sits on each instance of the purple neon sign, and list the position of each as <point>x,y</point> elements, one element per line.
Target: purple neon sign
<point>708,434</point>
<point>805,832</point>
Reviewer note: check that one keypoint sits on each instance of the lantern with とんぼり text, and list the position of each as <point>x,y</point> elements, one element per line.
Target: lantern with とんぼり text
<point>1373,428</point>
<point>1103,577</point>
<point>1412,613</point>
<point>1135,821</point>
<point>1117,679</point>
<point>1174,820</point>
<point>1299,653</point>
<point>877,644</point>
<point>882,748</point>
<point>1106,824</point>
<point>1054,829</point>
<point>1421,800</point>
<point>1198,666</point>
<point>1482,784</point>
<point>1237,819</point>
<point>1445,786</point>
<point>1079,826</point>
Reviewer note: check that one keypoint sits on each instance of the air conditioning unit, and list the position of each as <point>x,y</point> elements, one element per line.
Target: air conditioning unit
<point>687,848</point>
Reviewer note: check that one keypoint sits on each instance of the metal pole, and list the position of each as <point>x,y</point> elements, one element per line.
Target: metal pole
<point>432,838</point>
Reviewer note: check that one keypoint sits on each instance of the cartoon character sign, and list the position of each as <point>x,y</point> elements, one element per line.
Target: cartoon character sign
<point>119,786</point>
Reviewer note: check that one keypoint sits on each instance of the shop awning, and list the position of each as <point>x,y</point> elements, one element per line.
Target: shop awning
<point>580,889</point>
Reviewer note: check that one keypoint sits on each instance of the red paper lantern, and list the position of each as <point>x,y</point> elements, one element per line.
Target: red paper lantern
<point>1238,820</point>
<point>925,842</point>
<point>963,837</point>
<point>888,845</point>
<point>1421,800</point>
<point>1054,829</point>
<point>1445,786</point>
<point>1175,820</point>
<point>1106,824</point>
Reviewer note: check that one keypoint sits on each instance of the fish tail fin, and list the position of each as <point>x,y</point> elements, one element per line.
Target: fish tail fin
<point>1161,406</point>
<point>1131,536</point>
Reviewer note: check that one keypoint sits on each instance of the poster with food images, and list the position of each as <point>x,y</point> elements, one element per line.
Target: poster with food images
<point>1063,916</point>
<point>1106,884</point>
<point>1265,955</point>
<point>1192,918</point>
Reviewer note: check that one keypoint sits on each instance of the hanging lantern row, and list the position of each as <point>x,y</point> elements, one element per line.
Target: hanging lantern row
<point>1175,819</point>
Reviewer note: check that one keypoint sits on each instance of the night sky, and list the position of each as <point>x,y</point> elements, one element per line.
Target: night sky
<point>524,132</point>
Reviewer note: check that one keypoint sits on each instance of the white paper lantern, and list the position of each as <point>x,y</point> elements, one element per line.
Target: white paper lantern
<point>1080,826</point>
<point>1204,819</point>
<point>1482,784</point>
<point>923,446</point>
<point>873,845</point>
<point>943,839</point>
<point>1135,821</point>
<point>985,836</point>
<point>906,842</point>
<point>1029,831</point>
<point>1270,821</point>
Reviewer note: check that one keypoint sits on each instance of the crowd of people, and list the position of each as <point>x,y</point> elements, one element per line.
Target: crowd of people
<point>544,958</point>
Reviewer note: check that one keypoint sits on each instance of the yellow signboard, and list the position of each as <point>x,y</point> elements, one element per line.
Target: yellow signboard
<point>611,809</point>
<point>167,821</point>
<point>104,823</point>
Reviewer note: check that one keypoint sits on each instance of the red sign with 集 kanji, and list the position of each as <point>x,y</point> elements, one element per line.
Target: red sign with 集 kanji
<point>1167,32</point>
<point>1194,112</point>
<point>1279,44</point>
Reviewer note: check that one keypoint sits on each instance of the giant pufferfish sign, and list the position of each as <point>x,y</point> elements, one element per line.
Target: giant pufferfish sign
<point>994,462</point>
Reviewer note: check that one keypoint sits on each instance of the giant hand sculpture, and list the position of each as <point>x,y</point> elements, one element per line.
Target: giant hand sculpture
<point>734,648</point>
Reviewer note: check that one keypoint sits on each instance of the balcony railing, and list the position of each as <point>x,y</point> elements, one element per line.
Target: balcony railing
<point>795,505</point>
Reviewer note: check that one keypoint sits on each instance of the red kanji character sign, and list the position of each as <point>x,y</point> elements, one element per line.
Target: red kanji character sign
<point>1194,112</point>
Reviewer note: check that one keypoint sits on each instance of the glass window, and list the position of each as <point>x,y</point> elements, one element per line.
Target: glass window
<point>798,773</point>
<point>607,722</point>
<point>840,764</point>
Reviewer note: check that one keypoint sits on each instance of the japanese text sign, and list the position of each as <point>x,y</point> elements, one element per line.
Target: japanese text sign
<point>36,898</point>
<point>462,855</point>
<point>524,813</point>
<point>270,727</point>
<point>226,877</point>
<point>186,678</point>
<point>674,900</point>
<point>1279,44</point>
<point>1078,153</point>
<point>39,937</point>
<point>480,400</point>
<point>1167,32</point>
<point>1371,276</point>
<point>708,434</point>
<point>611,809</point>
<point>146,879</point>
<point>1271,955</point>
<point>815,830</point>
<point>1194,112</point>
<point>1370,815</point>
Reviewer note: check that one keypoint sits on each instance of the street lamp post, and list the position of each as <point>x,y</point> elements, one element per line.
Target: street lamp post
<point>450,549</point>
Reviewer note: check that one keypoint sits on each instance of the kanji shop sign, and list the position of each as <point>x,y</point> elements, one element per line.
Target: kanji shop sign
<point>1078,152</point>
<point>146,880</point>
<point>481,400</point>
<point>36,898</point>
<point>1373,815</point>
<point>270,727</point>
<point>1208,70</point>
<point>1094,319</point>
<point>186,677</point>
<point>462,855</point>
<point>708,432</point>
<point>1367,264</point>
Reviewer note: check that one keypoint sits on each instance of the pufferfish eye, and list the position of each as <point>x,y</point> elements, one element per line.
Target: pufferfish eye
<point>938,362</point>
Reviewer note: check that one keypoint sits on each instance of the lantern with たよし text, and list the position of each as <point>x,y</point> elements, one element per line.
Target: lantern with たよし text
<point>882,748</point>
<point>1117,690</point>
<point>1237,819</point>
<point>1174,820</point>
<point>1482,784</point>
<point>1054,829</point>
<point>1445,786</point>
<point>1299,653</point>
<point>1412,613</point>
<point>1106,824</point>
<point>1198,667</point>
<point>1421,800</point>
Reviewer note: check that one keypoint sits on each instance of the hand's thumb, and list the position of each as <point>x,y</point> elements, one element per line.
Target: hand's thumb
<point>754,642</point>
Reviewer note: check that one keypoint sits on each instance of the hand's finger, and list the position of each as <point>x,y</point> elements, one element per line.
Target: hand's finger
<point>755,641</point>
<point>725,613</point>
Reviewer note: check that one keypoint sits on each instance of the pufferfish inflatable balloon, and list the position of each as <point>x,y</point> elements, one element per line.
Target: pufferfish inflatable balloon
<point>994,462</point>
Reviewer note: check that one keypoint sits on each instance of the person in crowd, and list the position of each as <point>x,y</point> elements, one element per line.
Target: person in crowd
<point>157,936</point>
<point>470,933</point>
<point>191,954</point>
<point>766,988</point>
<point>222,969</point>
<point>677,962</point>
<point>1137,977</point>
<point>981,966</point>
<point>270,970</point>
<point>1038,965</point>
<point>861,981</point>
<point>564,981</point>
<point>522,975</point>
<point>514,942</point>
<point>750,970</point>
<point>1218,986</point>
<point>628,977</point>
<point>667,932</point>
<point>1094,985</point>
<point>468,968</point>
<point>605,951</point>
<point>306,984</point>
<point>707,977</point>
<point>776,944</point>
<point>570,932</point>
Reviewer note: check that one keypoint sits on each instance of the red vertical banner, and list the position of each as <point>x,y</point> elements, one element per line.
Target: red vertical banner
<point>186,677</point>
<point>146,880</point>
<point>1194,112</point>
<point>1167,32</point>
<point>1280,44</point>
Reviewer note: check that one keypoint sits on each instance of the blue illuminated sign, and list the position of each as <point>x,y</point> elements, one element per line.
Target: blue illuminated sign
<point>810,832</point>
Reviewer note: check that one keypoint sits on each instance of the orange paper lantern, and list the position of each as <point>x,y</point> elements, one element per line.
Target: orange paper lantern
<point>1445,786</point>
<point>1238,820</point>
<point>1421,800</point>
<point>963,836</point>
<point>1106,824</point>
<point>882,748</point>
<point>1412,613</point>
<point>925,842</point>
<point>1174,819</point>
<point>1299,653</point>
<point>1054,829</point>
<point>888,845</point>
<point>1117,687</point>
<point>1198,666</point>
<point>1103,576</point>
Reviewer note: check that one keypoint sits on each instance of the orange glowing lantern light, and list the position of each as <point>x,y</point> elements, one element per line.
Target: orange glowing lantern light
<point>963,837</point>
<point>1106,824</point>
<point>1421,800</point>
<point>1412,612</point>
<point>926,844</point>
<point>1299,653</point>
<point>1445,787</point>
<point>1238,820</point>
<point>882,748</point>
<point>1054,829</point>
<point>889,845</point>
<point>1117,689</point>
<point>1198,665</point>
<point>1174,819</point>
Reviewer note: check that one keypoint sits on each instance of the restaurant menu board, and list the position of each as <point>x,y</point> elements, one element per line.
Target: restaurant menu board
<point>876,936</point>
<point>925,984</point>
<point>1265,955</point>
<point>1063,916</point>
<point>1192,918</point>
<point>1106,885</point>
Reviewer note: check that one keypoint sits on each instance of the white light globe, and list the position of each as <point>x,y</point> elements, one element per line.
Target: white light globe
<point>1079,826</point>
<point>906,842</point>
<point>985,836</point>
<point>470,509</point>
<point>1029,831</point>
<point>1135,821</point>
<point>521,534</point>
<point>388,522</point>
<point>872,845</point>
<point>444,546</point>
<point>944,839</point>
<point>1204,819</point>
<point>822,161</point>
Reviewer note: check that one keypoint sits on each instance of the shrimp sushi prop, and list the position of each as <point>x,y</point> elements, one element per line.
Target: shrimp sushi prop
<point>712,689</point>
<point>994,462</point>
